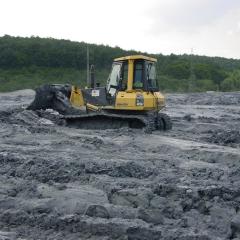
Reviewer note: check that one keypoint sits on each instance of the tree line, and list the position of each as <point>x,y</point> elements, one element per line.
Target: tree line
<point>29,62</point>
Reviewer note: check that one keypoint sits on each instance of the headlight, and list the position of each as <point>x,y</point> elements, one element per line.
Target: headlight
<point>139,100</point>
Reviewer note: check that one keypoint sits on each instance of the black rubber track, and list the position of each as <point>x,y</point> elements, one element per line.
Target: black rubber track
<point>164,121</point>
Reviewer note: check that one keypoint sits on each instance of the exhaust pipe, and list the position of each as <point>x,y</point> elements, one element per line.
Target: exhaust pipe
<point>92,77</point>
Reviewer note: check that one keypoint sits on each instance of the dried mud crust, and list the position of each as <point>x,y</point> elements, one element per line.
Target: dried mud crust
<point>66,183</point>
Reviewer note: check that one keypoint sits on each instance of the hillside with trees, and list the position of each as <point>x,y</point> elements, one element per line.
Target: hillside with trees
<point>30,62</point>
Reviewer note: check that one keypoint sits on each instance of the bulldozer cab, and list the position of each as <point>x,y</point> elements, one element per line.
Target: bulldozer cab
<point>131,86</point>
<point>132,73</point>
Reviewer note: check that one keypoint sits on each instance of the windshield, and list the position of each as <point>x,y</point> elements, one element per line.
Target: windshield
<point>151,75</point>
<point>138,75</point>
<point>113,79</point>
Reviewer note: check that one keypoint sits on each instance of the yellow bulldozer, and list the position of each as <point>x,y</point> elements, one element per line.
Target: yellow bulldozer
<point>131,98</point>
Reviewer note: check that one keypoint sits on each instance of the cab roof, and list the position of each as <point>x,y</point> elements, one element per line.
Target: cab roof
<point>134,57</point>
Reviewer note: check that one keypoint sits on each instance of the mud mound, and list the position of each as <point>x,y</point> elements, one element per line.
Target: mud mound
<point>6,114</point>
<point>214,98</point>
<point>29,118</point>
<point>129,169</point>
<point>225,137</point>
<point>210,98</point>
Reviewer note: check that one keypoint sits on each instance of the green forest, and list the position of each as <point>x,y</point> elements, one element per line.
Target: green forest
<point>30,62</point>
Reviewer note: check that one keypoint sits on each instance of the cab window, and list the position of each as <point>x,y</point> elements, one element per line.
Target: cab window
<point>113,79</point>
<point>151,75</point>
<point>124,78</point>
<point>138,75</point>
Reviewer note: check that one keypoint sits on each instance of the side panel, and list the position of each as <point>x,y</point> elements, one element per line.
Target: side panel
<point>128,101</point>
<point>160,99</point>
<point>95,96</point>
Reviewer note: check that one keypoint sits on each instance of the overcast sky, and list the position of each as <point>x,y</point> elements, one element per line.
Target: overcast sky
<point>210,27</point>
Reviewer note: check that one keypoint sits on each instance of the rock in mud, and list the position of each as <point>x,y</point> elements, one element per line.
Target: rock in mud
<point>132,197</point>
<point>154,216</point>
<point>97,211</point>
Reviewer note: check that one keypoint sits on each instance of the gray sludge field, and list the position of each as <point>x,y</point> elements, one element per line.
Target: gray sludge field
<point>65,183</point>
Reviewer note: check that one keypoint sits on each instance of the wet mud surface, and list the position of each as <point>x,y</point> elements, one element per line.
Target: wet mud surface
<point>65,183</point>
